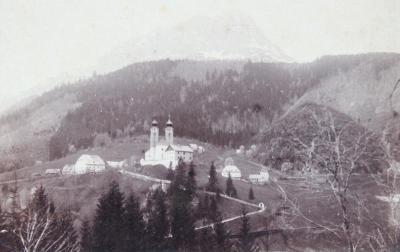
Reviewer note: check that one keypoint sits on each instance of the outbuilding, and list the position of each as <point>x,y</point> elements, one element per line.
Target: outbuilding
<point>231,169</point>
<point>89,164</point>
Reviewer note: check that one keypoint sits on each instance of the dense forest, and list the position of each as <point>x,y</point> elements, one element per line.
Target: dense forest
<point>226,107</point>
<point>227,103</point>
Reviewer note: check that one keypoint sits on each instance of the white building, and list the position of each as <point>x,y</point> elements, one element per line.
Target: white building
<point>117,164</point>
<point>89,164</point>
<point>53,172</point>
<point>231,168</point>
<point>165,152</point>
<point>261,178</point>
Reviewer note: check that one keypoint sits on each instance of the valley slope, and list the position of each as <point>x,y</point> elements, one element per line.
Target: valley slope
<point>227,103</point>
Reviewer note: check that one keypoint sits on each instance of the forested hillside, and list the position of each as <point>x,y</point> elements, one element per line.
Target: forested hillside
<point>223,102</point>
<point>314,138</point>
<point>225,107</point>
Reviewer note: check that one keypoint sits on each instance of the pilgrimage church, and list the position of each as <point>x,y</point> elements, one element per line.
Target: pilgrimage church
<point>165,152</point>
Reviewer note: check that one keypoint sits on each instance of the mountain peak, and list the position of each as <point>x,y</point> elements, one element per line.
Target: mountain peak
<point>231,36</point>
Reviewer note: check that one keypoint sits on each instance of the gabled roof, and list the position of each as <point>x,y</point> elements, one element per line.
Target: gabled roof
<point>183,148</point>
<point>230,169</point>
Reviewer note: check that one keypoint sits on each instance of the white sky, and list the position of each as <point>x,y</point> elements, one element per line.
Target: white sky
<point>42,40</point>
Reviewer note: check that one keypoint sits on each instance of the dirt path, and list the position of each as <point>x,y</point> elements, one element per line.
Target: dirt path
<point>260,208</point>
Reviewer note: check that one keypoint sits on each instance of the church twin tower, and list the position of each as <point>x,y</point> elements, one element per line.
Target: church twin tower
<point>169,133</point>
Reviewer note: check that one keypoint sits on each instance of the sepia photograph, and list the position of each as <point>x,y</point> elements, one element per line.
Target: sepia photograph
<point>199,126</point>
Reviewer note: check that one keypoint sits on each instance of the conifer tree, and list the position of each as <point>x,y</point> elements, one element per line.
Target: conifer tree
<point>251,193</point>
<point>230,188</point>
<point>85,243</point>
<point>158,225</point>
<point>181,214</point>
<point>206,242</point>
<point>40,202</point>
<point>108,222</point>
<point>220,235</point>
<point>244,238</point>
<point>212,185</point>
<point>191,180</point>
<point>179,183</point>
<point>134,226</point>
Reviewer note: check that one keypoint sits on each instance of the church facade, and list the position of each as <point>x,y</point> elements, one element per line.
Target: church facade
<point>165,152</point>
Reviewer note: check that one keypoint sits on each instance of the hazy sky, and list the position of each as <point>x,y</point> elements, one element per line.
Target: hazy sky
<point>48,40</point>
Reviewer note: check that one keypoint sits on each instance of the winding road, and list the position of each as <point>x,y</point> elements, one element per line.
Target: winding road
<point>260,208</point>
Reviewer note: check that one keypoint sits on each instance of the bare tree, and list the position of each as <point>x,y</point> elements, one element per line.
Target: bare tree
<point>41,232</point>
<point>339,150</point>
<point>40,228</point>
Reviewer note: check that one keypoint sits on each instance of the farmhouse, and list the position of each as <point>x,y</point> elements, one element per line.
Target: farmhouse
<point>165,152</point>
<point>89,164</point>
<point>231,169</point>
<point>261,178</point>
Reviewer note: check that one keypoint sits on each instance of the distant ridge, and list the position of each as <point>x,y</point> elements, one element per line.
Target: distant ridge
<point>229,37</point>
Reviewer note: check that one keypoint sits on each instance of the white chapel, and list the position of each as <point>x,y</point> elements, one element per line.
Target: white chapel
<point>165,152</point>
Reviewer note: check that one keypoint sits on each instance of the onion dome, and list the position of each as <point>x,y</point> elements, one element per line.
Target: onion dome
<point>169,122</point>
<point>154,123</point>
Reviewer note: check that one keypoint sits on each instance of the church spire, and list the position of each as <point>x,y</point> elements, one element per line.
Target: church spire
<point>169,132</point>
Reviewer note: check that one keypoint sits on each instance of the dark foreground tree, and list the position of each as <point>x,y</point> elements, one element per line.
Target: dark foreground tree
<point>158,225</point>
<point>86,244</point>
<point>134,226</point>
<point>108,222</point>
<point>251,194</point>
<point>206,242</point>
<point>212,185</point>
<point>221,235</point>
<point>181,212</point>
<point>230,188</point>
<point>244,238</point>
<point>191,181</point>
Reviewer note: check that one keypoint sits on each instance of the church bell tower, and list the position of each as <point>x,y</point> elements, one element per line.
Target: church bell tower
<point>169,132</point>
<point>154,134</point>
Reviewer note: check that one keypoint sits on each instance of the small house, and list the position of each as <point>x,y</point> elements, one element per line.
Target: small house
<point>231,169</point>
<point>117,164</point>
<point>53,172</point>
